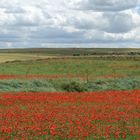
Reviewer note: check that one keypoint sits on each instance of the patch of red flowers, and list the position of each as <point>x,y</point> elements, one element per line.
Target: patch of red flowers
<point>108,114</point>
<point>3,77</point>
<point>112,76</point>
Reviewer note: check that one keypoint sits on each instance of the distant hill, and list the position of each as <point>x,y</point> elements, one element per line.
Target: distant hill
<point>75,51</point>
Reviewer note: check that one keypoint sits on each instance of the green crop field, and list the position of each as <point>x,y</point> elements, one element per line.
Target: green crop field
<point>78,67</point>
<point>56,70</point>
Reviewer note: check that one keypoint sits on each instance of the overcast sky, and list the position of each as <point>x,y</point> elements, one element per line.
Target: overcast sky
<point>77,23</point>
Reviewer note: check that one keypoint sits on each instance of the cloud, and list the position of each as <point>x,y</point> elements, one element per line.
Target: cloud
<point>107,5</point>
<point>33,23</point>
<point>118,23</point>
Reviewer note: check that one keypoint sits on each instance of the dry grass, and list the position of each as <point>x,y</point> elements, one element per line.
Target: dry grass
<point>5,57</point>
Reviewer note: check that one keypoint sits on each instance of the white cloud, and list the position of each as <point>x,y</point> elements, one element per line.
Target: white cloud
<point>29,23</point>
<point>106,5</point>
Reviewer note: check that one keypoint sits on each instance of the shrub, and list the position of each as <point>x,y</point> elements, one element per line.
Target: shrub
<point>77,54</point>
<point>74,86</point>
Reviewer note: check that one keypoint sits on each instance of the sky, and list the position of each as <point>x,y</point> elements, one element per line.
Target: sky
<point>69,23</point>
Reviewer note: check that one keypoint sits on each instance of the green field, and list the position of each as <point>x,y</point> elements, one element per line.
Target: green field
<point>69,66</point>
<point>56,70</point>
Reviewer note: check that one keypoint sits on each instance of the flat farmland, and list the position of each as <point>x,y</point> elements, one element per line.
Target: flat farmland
<point>70,94</point>
<point>68,74</point>
<point>7,57</point>
<point>72,66</point>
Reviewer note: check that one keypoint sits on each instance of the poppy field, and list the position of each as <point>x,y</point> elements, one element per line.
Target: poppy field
<point>94,115</point>
<point>74,98</point>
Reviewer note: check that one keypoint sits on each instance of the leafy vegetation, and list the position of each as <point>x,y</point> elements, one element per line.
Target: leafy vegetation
<point>66,85</point>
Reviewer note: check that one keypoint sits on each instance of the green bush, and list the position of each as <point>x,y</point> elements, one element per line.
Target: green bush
<point>74,86</point>
<point>67,85</point>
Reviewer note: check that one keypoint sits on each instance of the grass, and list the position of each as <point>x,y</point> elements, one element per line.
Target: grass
<point>96,74</point>
<point>66,85</point>
<point>7,57</point>
<point>84,67</point>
